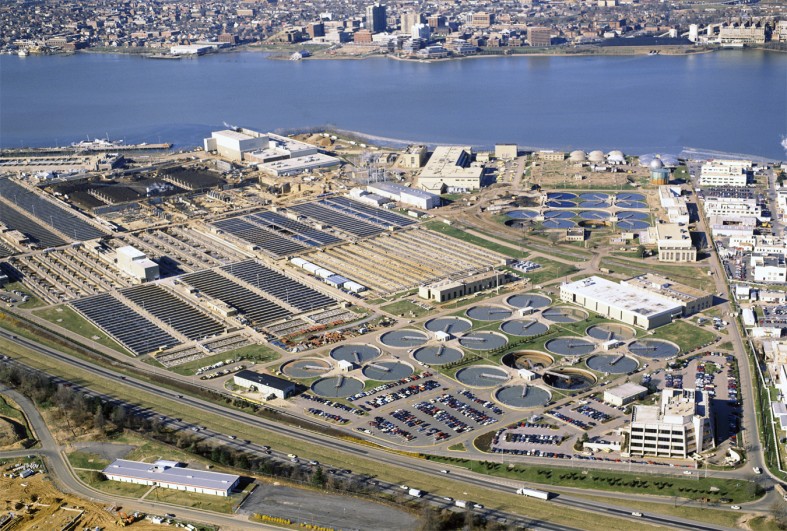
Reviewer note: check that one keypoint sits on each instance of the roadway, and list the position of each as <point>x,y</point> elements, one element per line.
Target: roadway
<point>383,457</point>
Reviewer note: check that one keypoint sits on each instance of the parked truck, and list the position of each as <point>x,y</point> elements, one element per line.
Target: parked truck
<point>533,493</point>
<point>415,492</point>
<point>463,504</point>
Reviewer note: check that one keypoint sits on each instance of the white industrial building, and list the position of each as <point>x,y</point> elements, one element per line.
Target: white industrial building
<point>674,243</point>
<point>725,173</point>
<point>769,267</point>
<point>624,394</point>
<point>405,195</point>
<point>274,154</point>
<point>265,384</point>
<point>451,167</point>
<point>679,427</point>
<point>135,263</point>
<point>171,475</point>
<point>625,303</point>
<point>741,226</point>
<point>233,145</point>
<point>674,203</point>
<point>728,206</point>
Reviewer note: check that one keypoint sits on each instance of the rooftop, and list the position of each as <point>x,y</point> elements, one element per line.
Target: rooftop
<point>267,380</point>
<point>626,390</point>
<point>626,297</point>
<point>162,472</point>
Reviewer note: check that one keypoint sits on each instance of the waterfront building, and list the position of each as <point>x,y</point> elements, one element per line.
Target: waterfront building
<point>451,167</point>
<point>376,18</point>
<point>539,36</point>
<point>725,173</point>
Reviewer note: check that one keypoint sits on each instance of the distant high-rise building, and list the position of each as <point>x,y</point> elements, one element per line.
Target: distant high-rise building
<point>436,22</point>
<point>376,18</point>
<point>539,36</point>
<point>409,19</point>
<point>420,31</point>
<point>316,29</point>
<point>482,20</point>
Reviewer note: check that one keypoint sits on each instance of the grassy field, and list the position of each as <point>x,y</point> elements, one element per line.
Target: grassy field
<point>439,226</point>
<point>406,308</point>
<point>727,345</point>
<point>437,484</point>
<point>684,334</point>
<point>689,275</point>
<point>259,353</point>
<point>32,302</point>
<point>206,502</point>
<point>706,515</point>
<point>64,316</point>
<point>129,490</point>
<point>87,460</point>
<point>550,270</point>
<point>738,491</point>
<point>8,409</point>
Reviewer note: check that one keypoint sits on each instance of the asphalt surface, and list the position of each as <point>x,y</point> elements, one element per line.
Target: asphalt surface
<point>350,449</point>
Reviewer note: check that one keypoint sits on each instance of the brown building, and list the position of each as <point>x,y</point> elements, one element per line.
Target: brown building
<point>482,20</point>
<point>316,29</point>
<point>363,36</point>
<point>539,36</point>
<point>228,38</point>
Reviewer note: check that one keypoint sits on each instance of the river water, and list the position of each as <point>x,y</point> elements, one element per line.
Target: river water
<point>731,101</point>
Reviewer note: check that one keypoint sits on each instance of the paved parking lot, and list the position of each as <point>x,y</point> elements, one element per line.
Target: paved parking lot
<point>532,439</point>
<point>585,414</point>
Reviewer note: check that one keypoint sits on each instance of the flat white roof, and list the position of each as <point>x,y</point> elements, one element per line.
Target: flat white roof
<point>399,189</point>
<point>229,133</point>
<point>173,475</point>
<point>626,390</point>
<point>301,163</point>
<point>131,252</point>
<point>622,296</point>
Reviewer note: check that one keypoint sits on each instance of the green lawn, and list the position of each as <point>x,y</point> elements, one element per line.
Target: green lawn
<point>10,411</point>
<point>684,334</point>
<point>727,345</point>
<point>64,316</point>
<point>259,353</point>
<point>87,460</point>
<point>32,302</point>
<point>439,226</point>
<point>129,490</point>
<point>738,491</point>
<point>206,502</point>
<point>696,277</point>
<point>550,270</point>
<point>406,308</point>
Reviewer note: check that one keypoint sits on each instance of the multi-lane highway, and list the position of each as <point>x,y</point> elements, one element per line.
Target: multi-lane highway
<point>395,460</point>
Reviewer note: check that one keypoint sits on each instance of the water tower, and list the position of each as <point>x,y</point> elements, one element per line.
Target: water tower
<point>659,175</point>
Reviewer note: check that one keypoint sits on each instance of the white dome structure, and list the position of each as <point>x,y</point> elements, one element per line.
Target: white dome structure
<point>596,156</point>
<point>577,156</point>
<point>656,164</point>
<point>616,157</point>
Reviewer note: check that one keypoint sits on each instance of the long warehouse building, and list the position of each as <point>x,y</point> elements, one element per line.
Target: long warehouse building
<point>623,302</point>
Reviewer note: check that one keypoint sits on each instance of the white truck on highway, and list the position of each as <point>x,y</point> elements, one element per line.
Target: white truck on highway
<point>415,492</point>
<point>533,493</point>
<point>461,503</point>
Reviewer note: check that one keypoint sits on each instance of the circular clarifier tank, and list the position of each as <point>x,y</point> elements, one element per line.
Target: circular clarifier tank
<point>561,196</point>
<point>387,371</point>
<point>528,359</point>
<point>450,325</point>
<point>629,196</point>
<point>438,355</point>
<point>403,338</point>
<point>522,214</point>
<point>482,376</point>
<point>564,314</point>
<point>355,353</point>
<point>612,363</point>
<point>523,300</point>
<point>609,331</point>
<point>594,215</point>
<point>488,313</point>
<point>594,204</point>
<point>524,327</point>
<point>483,340</point>
<point>570,346</point>
<point>337,387</point>
<point>306,368</point>
<point>558,214</point>
<point>653,348</point>
<point>569,378</point>
<point>630,220</point>
<point>594,196</point>
<point>523,396</point>
<point>559,224</point>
